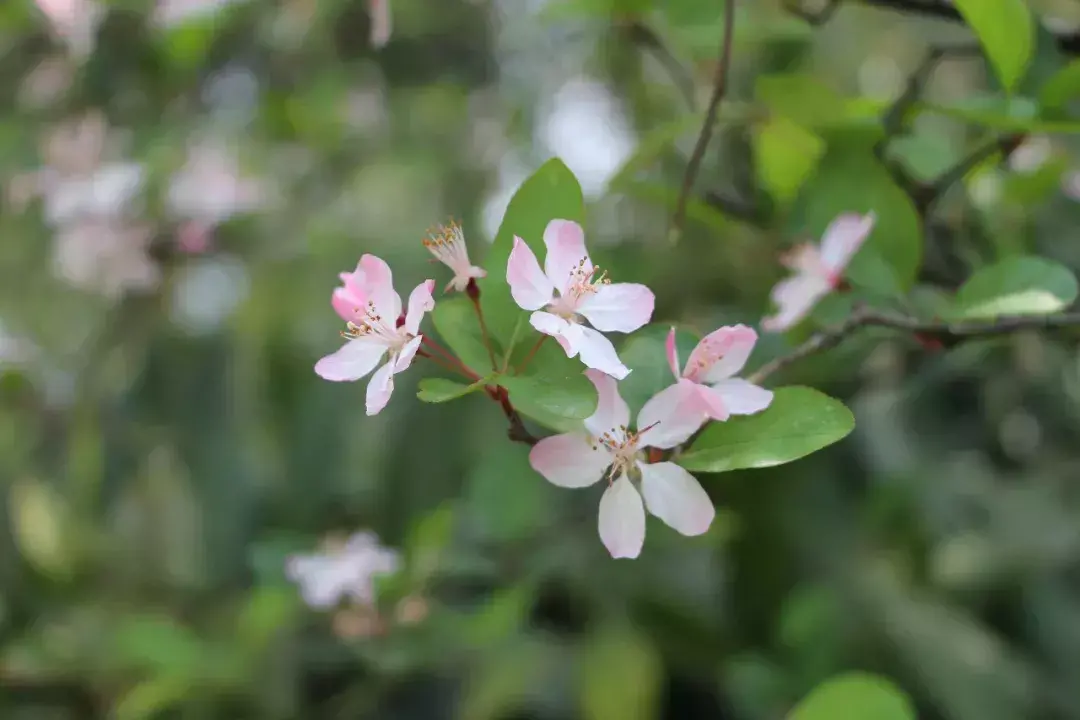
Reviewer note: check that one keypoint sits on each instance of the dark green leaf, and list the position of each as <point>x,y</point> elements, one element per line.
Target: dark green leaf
<point>798,422</point>
<point>1016,286</point>
<point>455,319</point>
<point>439,390</point>
<point>1062,87</point>
<point>560,397</point>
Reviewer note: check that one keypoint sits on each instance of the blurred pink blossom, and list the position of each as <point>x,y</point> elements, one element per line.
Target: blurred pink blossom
<point>174,12</point>
<point>381,22</point>
<point>104,255</point>
<point>75,22</point>
<point>571,288</point>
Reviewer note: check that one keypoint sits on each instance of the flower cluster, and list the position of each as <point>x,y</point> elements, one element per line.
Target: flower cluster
<point>573,301</point>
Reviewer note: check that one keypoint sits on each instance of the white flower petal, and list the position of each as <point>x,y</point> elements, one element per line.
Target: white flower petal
<point>622,520</point>
<point>380,388</point>
<point>571,460</point>
<point>673,495</point>
<point>611,410</point>
<point>565,241</point>
<point>354,360</point>
<point>741,397</point>
<point>671,416</point>
<point>622,307</point>
<point>597,352</point>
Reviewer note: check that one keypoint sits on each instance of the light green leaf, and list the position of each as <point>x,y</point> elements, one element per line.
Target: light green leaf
<point>40,521</point>
<point>803,98</point>
<point>621,676</point>
<point>1006,31</point>
<point>428,539</point>
<point>1016,286</point>
<point>551,193</point>
<point>150,698</point>
<point>645,353</point>
<point>855,696</point>
<point>799,421</point>
<point>786,153</point>
<point>459,328</point>
<point>1062,87</point>
<point>440,390</point>
<point>850,179</point>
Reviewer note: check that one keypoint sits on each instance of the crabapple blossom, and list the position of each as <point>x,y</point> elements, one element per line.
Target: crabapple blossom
<point>381,22</point>
<point>609,449</point>
<point>374,330</point>
<point>817,271</point>
<point>345,570</point>
<point>447,244</point>
<point>707,389</point>
<point>569,289</point>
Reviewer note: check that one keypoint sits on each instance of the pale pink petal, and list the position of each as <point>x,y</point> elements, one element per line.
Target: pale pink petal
<point>795,298</point>
<point>378,284</point>
<point>712,403</point>
<point>622,520</point>
<point>721,354</point>
<point>622,307</point>
<point>673,495</point>
<point>572,460</point>
<point>381,24</point>
<point>611,410</point>
<point>568,334</point>
<point>529,285</point>
<point>348,305</point>
<point>843,238</point>
<point>353,361</point>
<point>597,352</point>
<point>673,354</point>
<point>741,397</point>
<point>405,357</point>
<point>380,388</point>
<point>565,241</point>
<point>671,416</point>
<point>420,302</point>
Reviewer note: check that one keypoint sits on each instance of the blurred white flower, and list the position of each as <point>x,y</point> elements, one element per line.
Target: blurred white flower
<point>46,83</point>
<point>381,22</point>
<point>75,22</point>
<point>1031,155</point>
<point>174,12</point>
<point>13,349</point>
<point>209,188</point>
<point>106,255</point>
<point>345,570</point>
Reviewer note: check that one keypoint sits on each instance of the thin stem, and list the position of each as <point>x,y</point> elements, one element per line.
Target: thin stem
<point>517,431</point>
<point>532,353</point>
<point>511,345</point>
<point>944,332</point>
<point>484,331</point>
<point>445,365</point>
<point>719,86</point>
<point>448,357</point>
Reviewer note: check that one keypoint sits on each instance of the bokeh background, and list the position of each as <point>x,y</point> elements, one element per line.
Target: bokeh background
<point>182,184</point>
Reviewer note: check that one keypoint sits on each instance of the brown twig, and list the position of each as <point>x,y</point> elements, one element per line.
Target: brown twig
<point>719,86</point>
<point>517,431</point>
<point>940,331</point>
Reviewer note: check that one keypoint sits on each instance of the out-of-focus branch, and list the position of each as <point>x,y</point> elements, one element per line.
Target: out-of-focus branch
<point>719,86</point>
<point>944,332</point>
<point>646,38</point>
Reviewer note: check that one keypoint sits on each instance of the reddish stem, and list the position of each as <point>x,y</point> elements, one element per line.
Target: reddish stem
<point>475,297</point>
<point>448,357</point>
<point>532,353</point>
<point>447,366</point>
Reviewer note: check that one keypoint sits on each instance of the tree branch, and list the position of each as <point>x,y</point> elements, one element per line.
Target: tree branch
<point>646,38</point>
<point>940,331</point>
<point>517,431</point>
<point>719,86</point>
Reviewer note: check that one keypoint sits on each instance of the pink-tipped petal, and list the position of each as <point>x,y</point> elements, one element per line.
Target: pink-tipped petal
<point>420,302</point>
<point>673,495</point>
<point>712,403</point>
<point>843,238</point>
<point>381,22</point>
<point>567,334</point>
<point>673,354</point>
<point>380,388</point>
<point>611,409</point>
<point>352,361</point>
<point>722,353</point>
<point>572,460</point>
<point>597,352</point>
<point>622,307</point>
<point>379,287</point>
<point>671,416</point>
<point>741,397</point>
<point>622,520</point>
<point>795,298</point>
<point>405,357</point>
<point>348,306</point>
<point>529,286</point>
<point>565,242</point>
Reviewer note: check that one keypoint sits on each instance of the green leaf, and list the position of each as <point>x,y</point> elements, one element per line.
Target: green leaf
<point>429,538</point>
<point>645,353</point>
<point>551,193</point>
<point>40,522</point>
<point>803,98</point>
<point>506,497</point>
<point>1016,286</point>
<point>621,676</point>
<point>855,696</point>
<point>1062,87</point>
<point>799,421</point>
<point>786,153</point>
<point>150,698</point>
<point>559,397</point>
<point>850,179</point>
<point>1006,31</point>
<point>439,390</point>
<point>455,320</point>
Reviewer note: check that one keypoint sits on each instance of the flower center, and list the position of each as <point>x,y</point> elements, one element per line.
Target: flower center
<point>372,325</point>
<point>585,281</point>
<point>623,445</point>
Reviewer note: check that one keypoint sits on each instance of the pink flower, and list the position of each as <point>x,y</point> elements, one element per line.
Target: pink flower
<point>381,25</point>
<point>817,272</point>
<point>707,387</point>
<point>447,244</point>
<point>608,449</point>
<point>374,330</point>
<point>570,289</point>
